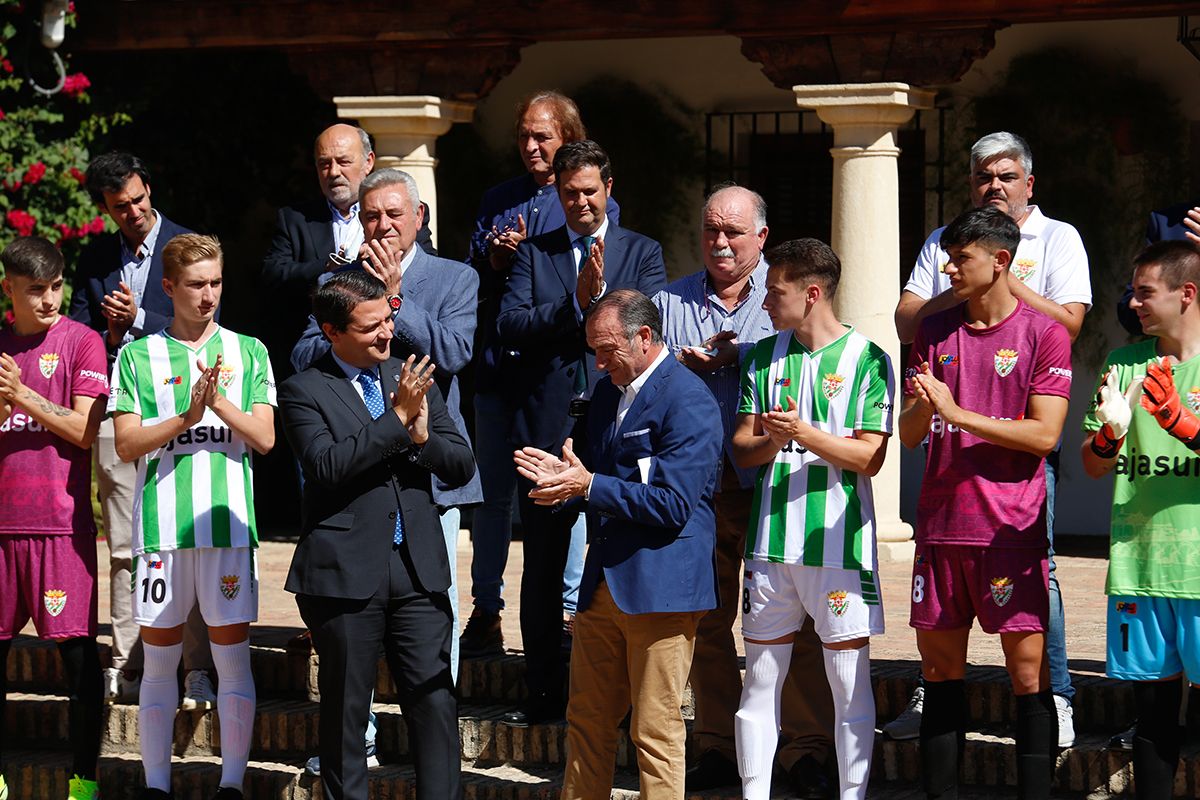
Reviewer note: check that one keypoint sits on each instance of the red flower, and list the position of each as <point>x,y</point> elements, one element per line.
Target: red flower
<point>75,85</point>
<point>65,231</point>
<point>71,7</point>
<point>77,175</point>
<point>12,185</point>
<point>1,113</point>
<point>21,221</point>
<point>6,65</point>
<point>96,225</point>
<point>35,173</point>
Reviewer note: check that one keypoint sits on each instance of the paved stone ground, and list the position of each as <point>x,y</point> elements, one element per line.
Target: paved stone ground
<point>1081,576</point>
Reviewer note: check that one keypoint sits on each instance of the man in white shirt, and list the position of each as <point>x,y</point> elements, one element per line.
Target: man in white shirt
<point>1050,273</point>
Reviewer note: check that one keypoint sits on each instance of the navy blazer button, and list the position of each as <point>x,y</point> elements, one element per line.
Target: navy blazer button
<point>570,371</point>
<point>392,515</point>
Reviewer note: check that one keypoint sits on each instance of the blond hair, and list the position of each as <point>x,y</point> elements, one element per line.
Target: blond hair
<point>187,249</point>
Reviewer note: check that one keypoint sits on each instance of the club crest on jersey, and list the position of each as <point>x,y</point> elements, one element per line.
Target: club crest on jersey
<point>838,602</point>
<point>1193,399</point>
<point>225,377</point>
<point>55,600</point>
<point>48,363</point>
<point>832,385</point>
<point>1002,590</point>
<point>1024,269</point>
<point>230,586</point>
<point>947,359</point>
<point>1005,361</point>
<point>174,380</point>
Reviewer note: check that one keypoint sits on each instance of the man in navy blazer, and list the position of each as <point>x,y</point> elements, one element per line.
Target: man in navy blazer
<point>647,477</point>
<point>555,278</point>
<point>118,292</point>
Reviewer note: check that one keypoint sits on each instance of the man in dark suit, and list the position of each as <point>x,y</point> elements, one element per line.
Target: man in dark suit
<point>318,236</point>
<point>118,292</point>
<point>370,567</point>
<point>651,468</point>
<point>555,278</point>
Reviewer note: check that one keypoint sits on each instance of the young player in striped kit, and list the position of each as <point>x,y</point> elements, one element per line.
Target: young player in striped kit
<point>190,403</point>
<point>815,417</point>
<point>988,386</point>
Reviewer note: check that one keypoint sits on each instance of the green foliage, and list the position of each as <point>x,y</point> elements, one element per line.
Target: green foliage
<point>1109,146</point>
<point>44,142</point>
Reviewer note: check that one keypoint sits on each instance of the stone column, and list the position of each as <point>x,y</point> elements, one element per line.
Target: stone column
<point>866,236</point>
<point>406,129</point>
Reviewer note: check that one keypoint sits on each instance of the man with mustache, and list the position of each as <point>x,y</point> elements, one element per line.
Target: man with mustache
<point>711,320</point>
<point>1049,273</point>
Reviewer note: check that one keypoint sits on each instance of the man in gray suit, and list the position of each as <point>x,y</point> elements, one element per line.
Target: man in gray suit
<point>433,310</point>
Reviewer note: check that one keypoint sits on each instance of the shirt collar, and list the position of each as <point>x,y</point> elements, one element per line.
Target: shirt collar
<point>599,234</point>
<point>635,386</point>
<point>1035,223</point>
<point>146,249</point>
<point>338,219</point>
<point>409,258</point>
<point>352,372</point>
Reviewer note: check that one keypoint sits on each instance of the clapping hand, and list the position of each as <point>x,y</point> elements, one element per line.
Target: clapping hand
<point>1114,408</point>
<point>556,479</point>
<point>412,384</point>
<point>380,262</point>
<point>590,282</point>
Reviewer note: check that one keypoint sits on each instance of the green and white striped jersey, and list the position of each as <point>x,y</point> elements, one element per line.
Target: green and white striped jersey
<point>806,510</point>
<point>197,490</point>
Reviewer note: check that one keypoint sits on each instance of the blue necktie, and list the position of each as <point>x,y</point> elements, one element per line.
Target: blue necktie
<point>581,371</point>
<point>374,400</point>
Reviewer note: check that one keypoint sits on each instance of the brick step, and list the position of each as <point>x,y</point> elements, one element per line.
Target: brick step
<point>287,730</point>
<point>1101,704</point>
<point>36,774</point>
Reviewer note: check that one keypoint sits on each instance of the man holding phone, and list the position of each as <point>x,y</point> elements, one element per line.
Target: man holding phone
<point>711,318</point>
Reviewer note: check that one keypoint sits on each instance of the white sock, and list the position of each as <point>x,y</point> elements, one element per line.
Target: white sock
<point>849,673</point>
<point>756,725</point>
<point>157,700</point>
<point>235,709</point>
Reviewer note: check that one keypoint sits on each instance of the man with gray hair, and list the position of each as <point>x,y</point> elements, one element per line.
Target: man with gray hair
<point>1050,273</point>
<point>314,238</point>
<point>711,319</point>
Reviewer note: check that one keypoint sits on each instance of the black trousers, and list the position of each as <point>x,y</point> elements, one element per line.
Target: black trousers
<point>547,540</point>
<point>414,626</point>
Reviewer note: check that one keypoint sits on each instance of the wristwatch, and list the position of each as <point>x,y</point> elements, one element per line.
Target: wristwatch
<point>395,301</point>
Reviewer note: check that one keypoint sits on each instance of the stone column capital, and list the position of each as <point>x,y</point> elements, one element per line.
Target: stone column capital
<point>863,114</point>
<point>414,115</point>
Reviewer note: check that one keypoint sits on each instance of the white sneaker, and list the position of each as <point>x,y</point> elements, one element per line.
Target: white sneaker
<point>1066,722</point>
<point>313,765</point>
<point>198,691</point>
<point>120,689</point>
<point>908,724</point>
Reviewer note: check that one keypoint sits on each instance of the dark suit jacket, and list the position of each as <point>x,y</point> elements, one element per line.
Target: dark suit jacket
<point>99,272</point>
<point>650,512</point>
<point>300,247</point>
<point>537,321</point>
<point>357,471</point>
<point>436,319</point>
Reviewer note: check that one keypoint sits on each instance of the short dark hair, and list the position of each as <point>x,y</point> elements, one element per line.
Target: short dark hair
<point>335,300</point>
<point>1178,262</point>
<point>807,259</point>
<point>111,171</point>
<point>577,155</point>
<point>633,310</point>
<point>562,109</point>
<point>32,257</point>
<point>988,227</point>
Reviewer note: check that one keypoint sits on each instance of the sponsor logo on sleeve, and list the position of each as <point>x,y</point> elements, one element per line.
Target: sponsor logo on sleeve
<point>1002,590</point>
<point>1061,372</point>
<point>48,364</point>
<point>55,600</point>
<point>1005,361</point>
<point>92,374</point>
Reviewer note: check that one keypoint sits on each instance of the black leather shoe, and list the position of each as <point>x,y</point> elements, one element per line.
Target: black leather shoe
<point>531,715</point>
<point>482,636</point>
<point>809,779</point>
<point>712,771</point>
